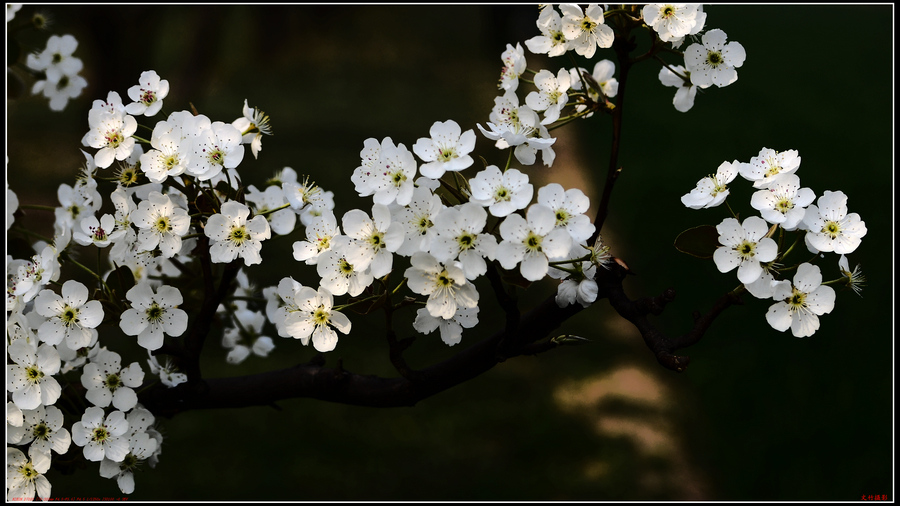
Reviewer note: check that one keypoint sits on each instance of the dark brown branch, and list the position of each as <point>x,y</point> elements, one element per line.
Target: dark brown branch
<point>622,47</point>
<point>312,380</point>
<point>636,312</point>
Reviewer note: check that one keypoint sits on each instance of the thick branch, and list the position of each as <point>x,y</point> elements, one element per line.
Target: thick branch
<point>312,380</point>
<point>636,312</point>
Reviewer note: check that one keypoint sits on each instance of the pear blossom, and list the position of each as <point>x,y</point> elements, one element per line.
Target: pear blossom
<point>586,30</point>
<point>111,133</point>
<point>172,148</point>
<point>316,318</point>
<point>43,428</point>
<point>686,89</point>
<point>672,21</point>
<point>552,41</point>
<point>142,446</point>
<point>102,437</point>
<point>167,372</point>
<point>30,375</point>
<point>319,235</point>
<point>153,314</point>
<point>784,202</point>
<point>56,59</point>
<point>569,207</point>
<point>714,61</point>
<point>25,477</point>
<point>59,92</point>
<point>70,316</point>
<point>552,94</point>
<point>855,279</point>
<point>458,235</point>
<point>446,151</point>
<point>450,328</point>
<point>444,284</point>
<point>233,235</point>
<point>769,165</point>
<point>603,81</point>
<point>282,300</point>
<point>532,242</point>
<point>830,227</point>
<point>581,289</point>
<point>100,232</point>
<point>514,65</point>
<point>712,190</point>
<point>237,339</point>
<point>215,148</point>
<point>161,223</point>
<point>514,125</point>
<point>253,125</point>
<point>744,246</point>
<point>107,382</point>
<point>501,192</point>
<point>338,275</point>
<point>373,240</point>
<point>390,177</point>
<point>801,302</point>
<point>417,220</point>
<point>148,95</point>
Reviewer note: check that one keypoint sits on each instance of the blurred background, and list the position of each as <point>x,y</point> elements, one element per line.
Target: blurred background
<point>758,415</point>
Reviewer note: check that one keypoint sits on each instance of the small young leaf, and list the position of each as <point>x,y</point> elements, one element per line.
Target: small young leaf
<point>700,242</point>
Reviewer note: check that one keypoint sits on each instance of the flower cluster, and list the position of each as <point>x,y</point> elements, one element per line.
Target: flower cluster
<point>61,80</point>
<point>182,233</point>
<point>784,206</point>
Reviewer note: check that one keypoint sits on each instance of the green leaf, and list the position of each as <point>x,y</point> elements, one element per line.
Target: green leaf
<point>570,339</point>
<point>700,242</point>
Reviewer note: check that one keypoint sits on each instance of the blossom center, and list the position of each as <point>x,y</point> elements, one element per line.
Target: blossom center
<point>154,312</point>
<point>99,233</point>
<point>466,241</point>
<point>100,434</point>
<point>784,205</point>
<point>69,315</point>
<point>746,250</point>
<point>831,229</point>
<point>148,97</point>
<point>323,242</point>
<point>216,156</point>
<point>502,194</point>
<point>533,242</point>
<point>588,25</point>
<point>163,225</point>
<point>28,472</point>
<point>377,240</point>
<point>113,382</point>
<point>444,280</point>
<point>238,235</point>
<point>797,300</point>
<point>398,178</point>
<point>33,374</point>
<point>668,11</point>
<point>714,58</point>
<point>345,267</point>
<point>114,138</point>
<point>562,217</point>
<point>41,431</point>
<point>446,155</point>
<point>321,316</point>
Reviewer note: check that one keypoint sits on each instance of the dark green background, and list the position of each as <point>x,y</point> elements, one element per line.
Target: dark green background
<point>759,415</point>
